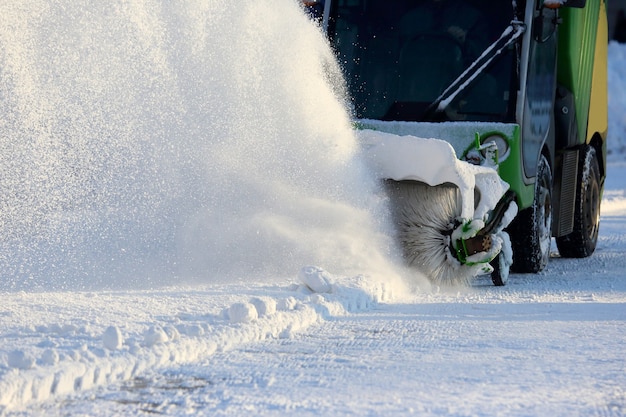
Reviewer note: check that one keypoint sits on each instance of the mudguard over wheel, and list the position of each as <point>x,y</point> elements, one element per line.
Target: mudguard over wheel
<point>582,241</point>
<point>531,231</point>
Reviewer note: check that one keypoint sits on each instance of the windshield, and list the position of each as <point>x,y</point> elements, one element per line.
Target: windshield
<point>399,56</point>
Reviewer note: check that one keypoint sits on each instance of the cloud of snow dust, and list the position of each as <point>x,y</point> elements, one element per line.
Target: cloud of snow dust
<point>144,142</point>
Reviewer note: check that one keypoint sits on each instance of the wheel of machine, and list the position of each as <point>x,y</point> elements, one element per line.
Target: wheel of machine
<point>502,263</point>
<point>531,231</point>
<point>582,241</point>
<point>500,274</point>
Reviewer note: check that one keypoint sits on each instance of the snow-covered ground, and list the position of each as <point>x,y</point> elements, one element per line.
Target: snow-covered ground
<point>108,309</point>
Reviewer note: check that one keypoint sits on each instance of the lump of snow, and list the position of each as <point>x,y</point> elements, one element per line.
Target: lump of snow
<point>287,304</point>
<point>66,329</point>
<point>21,360</point>
<point>316,279</point>
<point>47,343</point>
<point>172,332</point>
<point>50,357</point>
<point>154,335</point>
<point>264,306</point>
<point>112,338</point>
<point>242,313</point>
<point>193,330</point>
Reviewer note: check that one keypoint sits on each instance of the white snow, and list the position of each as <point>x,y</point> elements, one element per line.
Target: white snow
<point>264,306</point>
<point>242,313</point>
<point>155,335</point>
<point>316,279</point>
<point>433,161</point>
<point>20,360</point>
<point>112,338</point>
<point>95,319</point>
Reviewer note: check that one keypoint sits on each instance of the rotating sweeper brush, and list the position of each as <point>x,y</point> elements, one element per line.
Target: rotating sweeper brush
<point>424,217</point>
<point>429,231</point>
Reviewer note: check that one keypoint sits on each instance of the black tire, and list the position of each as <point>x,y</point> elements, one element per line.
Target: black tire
<point>531,230</point>
<point>500,274</point>
<point>582,241</point>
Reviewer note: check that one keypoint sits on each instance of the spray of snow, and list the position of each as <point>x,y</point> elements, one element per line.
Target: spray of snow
<point>143,142</point>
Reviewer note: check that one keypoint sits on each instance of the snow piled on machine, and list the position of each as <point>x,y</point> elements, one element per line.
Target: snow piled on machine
<point>434,162</point>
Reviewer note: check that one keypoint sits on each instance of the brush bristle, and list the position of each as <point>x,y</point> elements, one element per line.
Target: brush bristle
<point>424,217</point>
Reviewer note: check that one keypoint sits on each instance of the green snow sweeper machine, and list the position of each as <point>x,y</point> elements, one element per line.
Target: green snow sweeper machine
<point>486,121</point>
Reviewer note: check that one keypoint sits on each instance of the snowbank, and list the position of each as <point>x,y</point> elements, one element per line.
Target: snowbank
<point>51,349</point>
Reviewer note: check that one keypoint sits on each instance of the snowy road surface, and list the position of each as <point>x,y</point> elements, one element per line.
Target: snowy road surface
<point>550,344</point>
